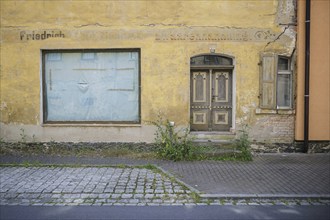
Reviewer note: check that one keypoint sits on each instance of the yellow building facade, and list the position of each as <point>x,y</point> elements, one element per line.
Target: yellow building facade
<point>100,72</point>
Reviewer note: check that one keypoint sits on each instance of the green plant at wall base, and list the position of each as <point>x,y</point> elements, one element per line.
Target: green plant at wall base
<point>23,135</point>
<point>172,144</point>
<point>34,138</point>
<point>243,145</point>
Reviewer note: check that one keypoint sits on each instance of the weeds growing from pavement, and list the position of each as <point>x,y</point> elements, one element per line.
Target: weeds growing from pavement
<point>243,145</point>
<point>196,197</point>
<point>171,143</point>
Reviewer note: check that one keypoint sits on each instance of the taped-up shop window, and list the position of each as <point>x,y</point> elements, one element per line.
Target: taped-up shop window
<point>91,86</point>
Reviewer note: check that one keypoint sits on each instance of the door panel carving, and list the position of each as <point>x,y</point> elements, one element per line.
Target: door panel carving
<point>199,83</point>
<point>221,118</point>
<point>221,86</point>
<point>199,117</point>
<point>211,100</point>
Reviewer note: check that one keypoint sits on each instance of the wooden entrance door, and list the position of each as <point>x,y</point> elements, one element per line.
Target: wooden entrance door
<point>211,100</point>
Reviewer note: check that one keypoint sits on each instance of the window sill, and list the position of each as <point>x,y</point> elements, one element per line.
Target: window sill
<point>91,125</point>
<point>260,111</point>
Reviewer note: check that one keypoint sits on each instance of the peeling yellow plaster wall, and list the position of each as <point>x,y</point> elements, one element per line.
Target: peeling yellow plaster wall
<point>165,64</point>
<point>20,80</point>
<point>138,13</point>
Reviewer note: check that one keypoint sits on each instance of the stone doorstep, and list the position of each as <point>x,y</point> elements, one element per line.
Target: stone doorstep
<point>213,136</point>
<point>222,140</point>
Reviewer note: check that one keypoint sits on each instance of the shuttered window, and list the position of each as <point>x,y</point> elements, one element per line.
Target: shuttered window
<point>91,86</point>
<point>275,82</point>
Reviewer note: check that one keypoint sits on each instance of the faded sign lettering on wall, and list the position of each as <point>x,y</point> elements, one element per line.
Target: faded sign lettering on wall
<point>40,34</point>
<point>177,34</point>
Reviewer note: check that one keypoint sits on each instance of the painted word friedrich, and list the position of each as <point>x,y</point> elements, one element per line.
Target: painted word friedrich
<point>40,35</point>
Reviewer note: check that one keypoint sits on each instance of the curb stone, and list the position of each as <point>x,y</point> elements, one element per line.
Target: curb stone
<point>265,196</point>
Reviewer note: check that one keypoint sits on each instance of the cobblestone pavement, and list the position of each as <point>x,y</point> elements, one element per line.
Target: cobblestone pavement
<point>50,186</point>
<point>89,186</point>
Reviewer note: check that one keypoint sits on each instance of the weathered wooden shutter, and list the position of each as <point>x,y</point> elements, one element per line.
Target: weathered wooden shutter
<point>267,94</point>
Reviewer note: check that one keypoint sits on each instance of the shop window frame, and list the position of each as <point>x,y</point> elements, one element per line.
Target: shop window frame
<point>45,120</point>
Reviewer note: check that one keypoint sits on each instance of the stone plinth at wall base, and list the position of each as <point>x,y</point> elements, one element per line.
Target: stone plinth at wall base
<point>317,146</point>
<point>48,147</point>
<point>295,147</point>
<point>275,148</point>
<point>256,147</point>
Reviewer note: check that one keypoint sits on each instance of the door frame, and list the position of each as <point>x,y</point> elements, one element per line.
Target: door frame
<point>218,67</point>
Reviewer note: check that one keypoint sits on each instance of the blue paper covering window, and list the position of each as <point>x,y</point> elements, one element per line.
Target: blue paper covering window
<point>100,86</point>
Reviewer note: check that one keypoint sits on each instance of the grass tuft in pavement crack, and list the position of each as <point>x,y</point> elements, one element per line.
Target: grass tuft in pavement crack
<point>196,197</point>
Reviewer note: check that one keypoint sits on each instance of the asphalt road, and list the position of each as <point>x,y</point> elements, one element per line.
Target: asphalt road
<point>230,212</point>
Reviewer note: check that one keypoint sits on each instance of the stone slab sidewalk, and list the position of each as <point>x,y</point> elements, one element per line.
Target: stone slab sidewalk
<point>268,175</point>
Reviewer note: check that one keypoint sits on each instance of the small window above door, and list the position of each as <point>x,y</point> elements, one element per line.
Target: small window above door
<point>211,60</point>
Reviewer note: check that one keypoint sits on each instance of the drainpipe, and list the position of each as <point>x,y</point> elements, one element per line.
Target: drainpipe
<point>307,62</point>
